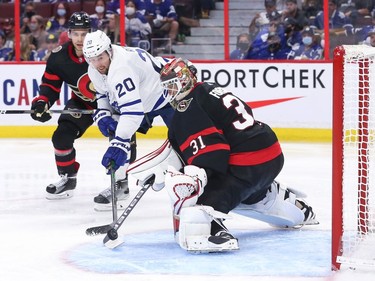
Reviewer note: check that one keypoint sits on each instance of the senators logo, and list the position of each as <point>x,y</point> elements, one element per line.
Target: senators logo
<point>184,105</point>
<point>85,88</point>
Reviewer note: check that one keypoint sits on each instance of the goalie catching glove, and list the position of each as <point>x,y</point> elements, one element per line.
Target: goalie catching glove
<point>185,188</point>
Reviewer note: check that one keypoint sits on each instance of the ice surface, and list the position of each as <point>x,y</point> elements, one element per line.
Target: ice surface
<point>46,240</point>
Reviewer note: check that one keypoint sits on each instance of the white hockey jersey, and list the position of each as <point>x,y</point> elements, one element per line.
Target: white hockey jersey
<point>131,88</point>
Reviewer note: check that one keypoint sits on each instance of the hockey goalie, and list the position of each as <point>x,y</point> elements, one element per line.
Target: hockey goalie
<point>229,163</point>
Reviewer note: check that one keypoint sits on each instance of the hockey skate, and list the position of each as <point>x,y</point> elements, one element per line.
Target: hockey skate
<point>308,212</point>
<point>103,202</point>
<point>62,189</point>
<point>222,241</point>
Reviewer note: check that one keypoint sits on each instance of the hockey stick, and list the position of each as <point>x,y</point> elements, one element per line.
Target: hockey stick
<point>111,240</point>
<point>103,229</point>
<point>163,152</point>
<point>113,191</point>
<point>63,111</point>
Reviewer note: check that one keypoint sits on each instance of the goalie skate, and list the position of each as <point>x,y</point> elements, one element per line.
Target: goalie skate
<point>103,202</point>
<point>62,189</point>
<point>308,212</point>
<point>221,242</point>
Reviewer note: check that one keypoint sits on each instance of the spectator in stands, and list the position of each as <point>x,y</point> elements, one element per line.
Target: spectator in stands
<point>28,52</point>
<point>242,47</point>
<point>163,18</point>
<point>311,8</point>
<point>4,51</point>
<point>310,49</point>
<point>205,6</point>
<point>355,35</point>
<point>137,27</point>
<point>59,22</point>
<point>29,11</point>
<point>270,42</point>
<point>8,29</point>
<point>293,37</point>
<point>292,11</point>
<point>371,39</point>
<point>363,33</point>
<point>263,18</point>
<point>358,11</point>
<point>337,19</point>
<point>38,33</point>
<point>51,43</point>
<point>113,28</point>
<point>114,6</point>
<point>100,19</point>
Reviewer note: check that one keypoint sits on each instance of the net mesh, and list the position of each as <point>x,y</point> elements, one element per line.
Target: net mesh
<point>358,240</point>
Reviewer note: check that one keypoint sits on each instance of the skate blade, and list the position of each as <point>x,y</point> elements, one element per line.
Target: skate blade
<point>311,222</point>
<point>199,247</point>
<point>63,195</point>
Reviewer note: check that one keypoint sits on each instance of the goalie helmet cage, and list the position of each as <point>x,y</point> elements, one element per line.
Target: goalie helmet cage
<point>353,157</point>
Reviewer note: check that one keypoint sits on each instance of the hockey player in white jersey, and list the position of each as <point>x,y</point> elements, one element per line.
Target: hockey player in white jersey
<point>129,95</point>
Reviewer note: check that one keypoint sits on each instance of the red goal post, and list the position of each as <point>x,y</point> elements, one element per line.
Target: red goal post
<point>353,157</point>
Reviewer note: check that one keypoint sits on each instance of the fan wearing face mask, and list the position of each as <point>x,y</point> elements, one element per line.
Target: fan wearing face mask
<point>59,22</point>
<point>37,31</point>
<point>243,45</point>
<point>310,49</point>
<point>138,29</point>
<point>100,19</point>
<point>28,12</point>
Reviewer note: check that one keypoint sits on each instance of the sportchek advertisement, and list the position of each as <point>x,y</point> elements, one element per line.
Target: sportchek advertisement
<point>282,94</point>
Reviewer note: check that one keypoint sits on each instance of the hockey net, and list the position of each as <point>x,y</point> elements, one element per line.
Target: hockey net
<point>353,174</point>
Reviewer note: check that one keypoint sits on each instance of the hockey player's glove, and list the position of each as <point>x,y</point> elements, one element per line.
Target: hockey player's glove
<point>40,106</point>
<point>107,126</point>
<point>117,153</point>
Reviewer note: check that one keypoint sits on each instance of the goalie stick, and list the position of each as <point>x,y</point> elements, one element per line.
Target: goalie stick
<point>64,111</point>
<point>115,225</point>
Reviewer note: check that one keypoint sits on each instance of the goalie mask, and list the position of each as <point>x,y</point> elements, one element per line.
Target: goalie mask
<point>178,78</point>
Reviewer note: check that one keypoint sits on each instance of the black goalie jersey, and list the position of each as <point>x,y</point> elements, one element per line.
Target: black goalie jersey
<point>214,129</point>
<point>64,66</point>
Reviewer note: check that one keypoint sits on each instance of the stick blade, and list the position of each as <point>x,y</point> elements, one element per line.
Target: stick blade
<point>96,230</point>
<point>112,244</point>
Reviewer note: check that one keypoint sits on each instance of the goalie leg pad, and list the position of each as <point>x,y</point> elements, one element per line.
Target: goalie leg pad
<point>155,163</point>
<point>278,208</point>
<point>193,222</point>
<point>195,228</point>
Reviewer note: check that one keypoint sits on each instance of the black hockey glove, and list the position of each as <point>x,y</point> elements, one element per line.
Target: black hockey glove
<point>40,106</point>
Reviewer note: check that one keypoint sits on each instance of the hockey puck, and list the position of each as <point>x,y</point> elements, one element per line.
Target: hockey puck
<point>112,234</point>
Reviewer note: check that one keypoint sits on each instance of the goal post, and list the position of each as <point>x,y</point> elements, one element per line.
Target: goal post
<point>353,157</point>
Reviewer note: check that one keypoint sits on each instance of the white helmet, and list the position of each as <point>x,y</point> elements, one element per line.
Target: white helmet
<point>96,43</point>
